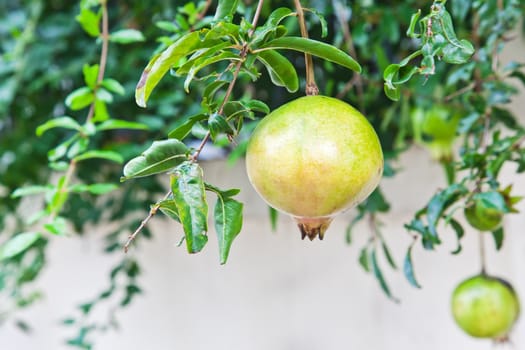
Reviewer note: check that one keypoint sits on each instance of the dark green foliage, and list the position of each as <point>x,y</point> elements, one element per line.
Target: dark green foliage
<point>211,76</point>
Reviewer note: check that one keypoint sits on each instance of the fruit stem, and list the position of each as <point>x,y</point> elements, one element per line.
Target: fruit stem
<point>482,254</point>
<point>311,86</point>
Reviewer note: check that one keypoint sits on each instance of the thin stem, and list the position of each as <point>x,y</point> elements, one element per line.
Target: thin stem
<point>356,79</point>
<point>311,86</point>
<point>195,155</point>
<point>101,72</point>
<point>482,255</point>
<point>229,90</point>
<point>151,214</point>
<point>204,10</point>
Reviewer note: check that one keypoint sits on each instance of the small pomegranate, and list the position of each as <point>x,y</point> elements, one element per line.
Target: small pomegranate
<point>313,158</point>
<point>485,307</point>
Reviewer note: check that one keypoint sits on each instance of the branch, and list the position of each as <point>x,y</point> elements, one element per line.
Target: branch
<point>311,86</point>
<point>101,72</point>
<point>194,157</point>
<point>151,214</point>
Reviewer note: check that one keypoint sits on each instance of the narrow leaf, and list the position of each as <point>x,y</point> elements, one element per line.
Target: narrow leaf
<point>161,64</point>
<point>190,199</point>
<point>161,156</point>
<point>109,155</point>
<point>18,244</point>
<point>281,71</point>
<point>126,36</point>
<point>274,215</point>
<point>113,86</point>
<point>498,236</point>
<point>184,126</point>
<point>379,275</point>
<point>169,208</point>
<point>408,269</point>
<point>364,260</point>
<point>30,190</point>
<point>225,10</point>
<point>120,124</point>
<point>388,255</point>
<point>80,98</point>
<point>228,224</point>
<point>315,48</point>
<point>460,232</point>
<point>61,122</point>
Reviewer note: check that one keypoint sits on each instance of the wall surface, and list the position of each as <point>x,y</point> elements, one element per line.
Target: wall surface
<point>278,292</point>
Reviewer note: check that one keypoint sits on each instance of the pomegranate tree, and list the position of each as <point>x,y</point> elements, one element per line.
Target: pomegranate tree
<point>313,158</point>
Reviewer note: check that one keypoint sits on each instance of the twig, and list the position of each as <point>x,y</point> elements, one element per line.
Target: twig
<point>201,14</point>
<point>460,92</point>
<point>101,72</point>
<point>195,155</point>
<point>242,55</point>
<point>356,79</point>
<point>151,214</point>
<point>311,86</point>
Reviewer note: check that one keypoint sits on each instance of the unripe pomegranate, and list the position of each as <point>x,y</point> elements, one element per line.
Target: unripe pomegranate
<point>483,217</point>
<point>313,158</point>
<point>436,130</point>
<point>485,307</point>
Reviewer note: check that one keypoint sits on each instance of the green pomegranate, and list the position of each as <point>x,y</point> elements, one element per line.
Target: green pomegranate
<point>485,307</point>
<point>483,217</point>
<point>436,129</point>
<point>313,158</point>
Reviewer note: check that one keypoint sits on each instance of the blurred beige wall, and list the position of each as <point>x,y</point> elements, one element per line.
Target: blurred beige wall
<point>278,292</point>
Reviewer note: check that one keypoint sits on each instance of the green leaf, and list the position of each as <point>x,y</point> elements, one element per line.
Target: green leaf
<point>364,260</point>
<point>109,155</point>
<point>101,112</point>
<point>126,36</point>
<point>184,126</point>
<point>257,106</point>
<point>90,75</point>
<point>225,10</point>
<point>57,227</point>
<point>80,98</point>
<point>160,157</point>
<point>315,48</point>
<point>388,255</point>
<point>494,200</point>
<point>30,190</point>
<point>96,189</point>
<point>218,125</point>
<point>228,223</point>
<point>274,215</point>
<point>281,71</point>
<point>460,232</point>
<point>498,236</point>
<point>120,124</point>
<point>104,95</point>
<point>322,20</point>
<point>161,63</point>
<point>439,203</point>
<point>379,275</point>
<point>408,268</point>
<point>60,122</point>
<point>18,244</point>
<point>190,198</point>
<point>113,86</point>
<point>169,208</point>
<point>90,21</point>
<point>392,92</point>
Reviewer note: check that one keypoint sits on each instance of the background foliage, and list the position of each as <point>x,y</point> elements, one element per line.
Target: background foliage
<point>49,52</point>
